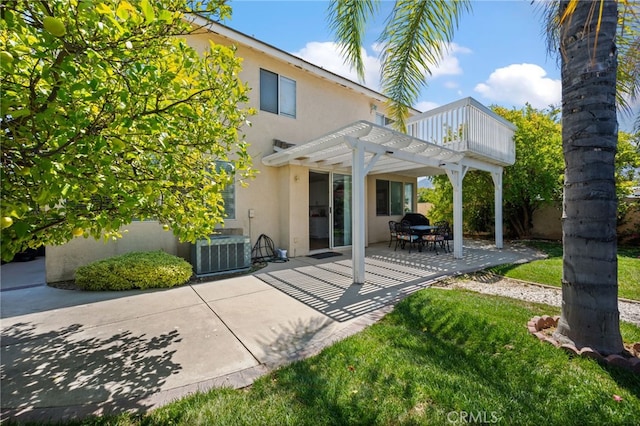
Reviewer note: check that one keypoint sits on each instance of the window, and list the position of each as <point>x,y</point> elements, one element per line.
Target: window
<point>229,191</point>
<point>382,197</point>
<point>383,120</point>
<point>408,197</point>
<point>396,198</point>
<point>390,197</point>
<point>277,94</point>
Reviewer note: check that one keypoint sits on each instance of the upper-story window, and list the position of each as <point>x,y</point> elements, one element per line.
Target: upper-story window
<point>383,120</point>
<point>277,94</point>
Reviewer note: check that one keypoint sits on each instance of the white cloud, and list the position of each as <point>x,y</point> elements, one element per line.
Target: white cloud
<point>521,83</point>
<point>327,55</point>
<point>425,106</point>
<point>450,64</point>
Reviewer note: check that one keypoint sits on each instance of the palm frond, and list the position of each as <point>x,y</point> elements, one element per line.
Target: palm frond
<point>628,44</point>
<point>415,39</point>
<point>347,19</point>
<point>549,11</point>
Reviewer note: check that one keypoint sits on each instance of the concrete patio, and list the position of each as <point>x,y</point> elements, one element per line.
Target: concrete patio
<point>68,354</point>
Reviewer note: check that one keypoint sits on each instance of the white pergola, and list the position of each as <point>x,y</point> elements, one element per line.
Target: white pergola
<point>364,148</point>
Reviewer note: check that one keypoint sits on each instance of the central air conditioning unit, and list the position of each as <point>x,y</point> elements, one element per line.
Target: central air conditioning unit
<point>221,253</point>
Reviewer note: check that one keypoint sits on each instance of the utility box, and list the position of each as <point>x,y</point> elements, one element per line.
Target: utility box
<point>221,253</point>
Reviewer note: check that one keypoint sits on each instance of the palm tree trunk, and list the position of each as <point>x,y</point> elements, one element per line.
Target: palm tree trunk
<point>590,316</point>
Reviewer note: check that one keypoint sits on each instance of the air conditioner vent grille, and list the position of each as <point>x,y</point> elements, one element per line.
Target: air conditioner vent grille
<point>221,254</point>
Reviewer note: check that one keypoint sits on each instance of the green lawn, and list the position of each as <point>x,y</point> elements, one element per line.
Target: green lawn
<point>440,354</point>
<point>549,271</point>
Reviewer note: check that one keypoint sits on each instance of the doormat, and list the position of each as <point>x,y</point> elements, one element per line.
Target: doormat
<point>325,255</point>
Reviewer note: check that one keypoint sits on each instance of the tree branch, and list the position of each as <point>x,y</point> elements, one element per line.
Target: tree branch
<point>158,110</point>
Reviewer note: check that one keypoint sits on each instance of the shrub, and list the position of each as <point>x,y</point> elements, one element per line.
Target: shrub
<point>153,269</point>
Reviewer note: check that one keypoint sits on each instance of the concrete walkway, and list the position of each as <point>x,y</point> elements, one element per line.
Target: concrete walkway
<point>68,354</point>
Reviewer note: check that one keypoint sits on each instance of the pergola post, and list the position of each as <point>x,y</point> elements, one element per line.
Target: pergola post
<point>456,177</point>
<point>358,174</point>
<point>497,195</point>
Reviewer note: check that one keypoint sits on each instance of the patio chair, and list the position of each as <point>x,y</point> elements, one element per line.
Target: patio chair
<point>444,229</point>
<point>393,231</point>
<point>434,239</point>
<point>406,235</point>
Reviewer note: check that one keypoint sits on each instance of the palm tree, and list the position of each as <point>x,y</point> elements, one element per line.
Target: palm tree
<point>415,37</point>
<point>590,316</point>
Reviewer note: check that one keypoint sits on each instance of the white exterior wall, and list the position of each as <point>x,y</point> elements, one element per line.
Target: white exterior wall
<point>279,197</point>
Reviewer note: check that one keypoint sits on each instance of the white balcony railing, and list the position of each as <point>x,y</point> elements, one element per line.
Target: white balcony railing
<point>470,127</point>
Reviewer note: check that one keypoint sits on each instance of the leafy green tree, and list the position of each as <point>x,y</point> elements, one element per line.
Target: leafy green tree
<point>536,178</point>
<point>424,195</point>
<point>627,164</point>
<point>108,115</point>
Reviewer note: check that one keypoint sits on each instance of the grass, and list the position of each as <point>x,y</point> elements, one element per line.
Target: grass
<point>549,271</point>
<point>440,353</point>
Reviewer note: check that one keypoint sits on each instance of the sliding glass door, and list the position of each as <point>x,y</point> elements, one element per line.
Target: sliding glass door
<point>341,210</point>
<point>329,210</point>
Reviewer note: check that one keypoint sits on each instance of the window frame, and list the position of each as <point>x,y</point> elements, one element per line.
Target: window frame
<point>396,197</point>
<point>383,120</point>
<point>390,197</point>
<point>382,198</point>
<point>409,204</point>
<point>281,99</point>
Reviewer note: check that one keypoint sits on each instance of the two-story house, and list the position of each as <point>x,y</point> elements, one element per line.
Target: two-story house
<point>330,173</point>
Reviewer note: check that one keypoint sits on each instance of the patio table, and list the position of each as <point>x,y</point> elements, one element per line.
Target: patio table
<point>423,229</point>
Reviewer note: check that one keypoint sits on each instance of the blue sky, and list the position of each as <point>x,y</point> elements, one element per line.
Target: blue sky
<point>498,54</point>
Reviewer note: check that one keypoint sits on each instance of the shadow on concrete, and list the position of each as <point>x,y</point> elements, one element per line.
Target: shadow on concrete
<point>293,341</point>
<point>328,287</point>
<point>390,275</point>
<point>73,372</point>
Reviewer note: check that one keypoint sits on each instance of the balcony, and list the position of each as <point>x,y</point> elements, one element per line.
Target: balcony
<point>468,127</point>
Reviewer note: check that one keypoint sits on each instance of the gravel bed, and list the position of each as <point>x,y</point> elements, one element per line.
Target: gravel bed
<point>491,284</point>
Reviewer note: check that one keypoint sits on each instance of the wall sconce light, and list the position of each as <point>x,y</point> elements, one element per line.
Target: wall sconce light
<point>373,107</point>
<point>296,178</point>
